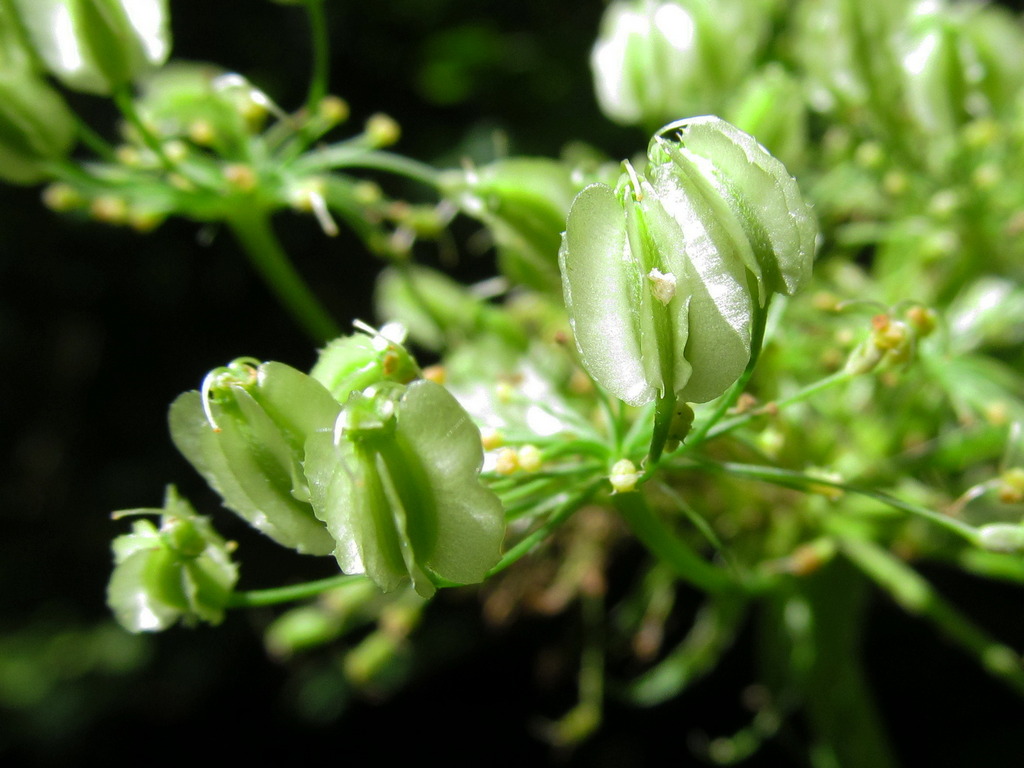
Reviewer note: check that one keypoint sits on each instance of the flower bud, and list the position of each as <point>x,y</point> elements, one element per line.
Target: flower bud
<point>36,126</point>
<point>182,569</point>
<point>245,433</point>
<point>662,275</point>
<point>1001,537</point>
<point>97,46</point>
<point>396,483</point>
<point>623,476</point>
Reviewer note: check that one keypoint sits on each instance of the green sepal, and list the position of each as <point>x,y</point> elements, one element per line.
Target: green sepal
<point>352,363</point>
<point>404,501</point>
<point>181,570</point>
<point>251,452</point>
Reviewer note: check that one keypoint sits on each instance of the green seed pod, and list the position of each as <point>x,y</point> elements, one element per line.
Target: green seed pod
<point>245,434</point>
<point>848,50</point>
<point>959,65</point>
<point>996,38</point>
<point>97,46</point>
<point>352,363</point>
<point>36,127</point>
<point>523,201</point>
<point>657,60</point>
<point>182,569</point>
<point>397,485</point>
<point>663,275</point>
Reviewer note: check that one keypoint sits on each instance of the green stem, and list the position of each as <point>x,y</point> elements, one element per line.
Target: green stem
<point>94,141</point>
<point>664,411</point>
<point>664,544</point>
<point>343,156</point>
<point>292,593</point>
<point>713,631</point>
<point>838,701</point>
<point>123,99</point>
<point>807,392</point>
<point>559,516</point>
<point>321,54</point>
<point>803,482</point>
<point>251,226</point>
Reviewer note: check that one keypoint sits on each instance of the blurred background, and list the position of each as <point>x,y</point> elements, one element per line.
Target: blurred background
<point>101,328</point>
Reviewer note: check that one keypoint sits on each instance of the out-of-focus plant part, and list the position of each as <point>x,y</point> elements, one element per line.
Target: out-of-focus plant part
<point>98,46</point>
<point>653,368</point>
<point>440,311</point>
<point>523,202</point>
<point>36,127</point>
<point>181,569</point>
<point>656,61</point>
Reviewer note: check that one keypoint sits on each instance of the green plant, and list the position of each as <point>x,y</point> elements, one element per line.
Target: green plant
<point>776,439</point>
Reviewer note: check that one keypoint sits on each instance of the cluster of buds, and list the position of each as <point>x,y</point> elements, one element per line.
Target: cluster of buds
<point>179,570</point>
<point>892,341</point>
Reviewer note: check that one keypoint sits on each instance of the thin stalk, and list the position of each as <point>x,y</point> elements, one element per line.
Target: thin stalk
<point>807,392</point>
<point>713,631</point>
<point>664,544</point>
<point>342,156</point>
<point>251,226</point>
<point>94,141</point>
<point>318,81</point>
<point>583,719</point>
<point>664,411</point>
<point>840,707</point>
<point>123,100</point>
<point>559,516</point>
<point>803,482</point>
<point>292,593</point>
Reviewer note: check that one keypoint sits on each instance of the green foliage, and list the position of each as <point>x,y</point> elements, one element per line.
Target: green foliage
<point>655,364</point>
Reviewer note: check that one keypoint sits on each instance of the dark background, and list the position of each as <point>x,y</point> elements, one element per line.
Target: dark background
<point>101,328</point>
